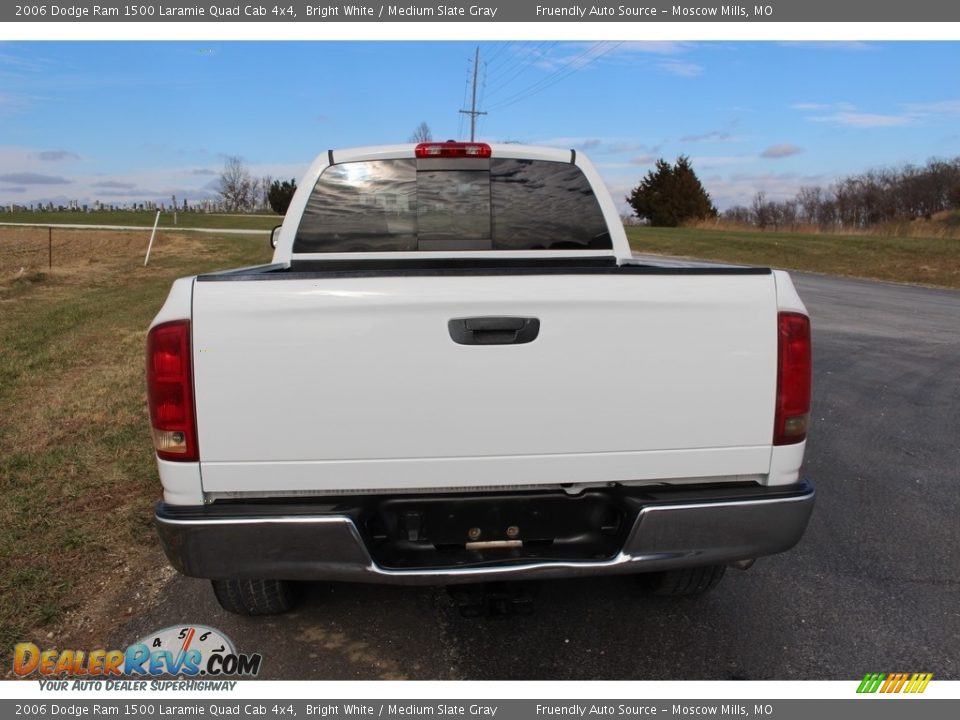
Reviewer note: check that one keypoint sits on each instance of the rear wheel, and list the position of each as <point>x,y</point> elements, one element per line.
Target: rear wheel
<point>255,597</point>
<point>683,581</point>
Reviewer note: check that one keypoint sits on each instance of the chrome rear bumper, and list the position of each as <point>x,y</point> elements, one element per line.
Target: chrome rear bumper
<point>306,543</point>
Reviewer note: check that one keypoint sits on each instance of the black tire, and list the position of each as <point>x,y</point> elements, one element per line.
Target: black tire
<point>684,581</point>
<point>255,597</point>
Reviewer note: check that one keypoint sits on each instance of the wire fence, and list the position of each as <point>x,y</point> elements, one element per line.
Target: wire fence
<point>35,249</point>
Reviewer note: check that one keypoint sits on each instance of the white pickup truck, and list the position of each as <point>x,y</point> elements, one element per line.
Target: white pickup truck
<point>454,371</point>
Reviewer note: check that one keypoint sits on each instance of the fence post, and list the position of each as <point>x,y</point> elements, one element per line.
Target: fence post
<point>50,248</point>
<point>155,222</point>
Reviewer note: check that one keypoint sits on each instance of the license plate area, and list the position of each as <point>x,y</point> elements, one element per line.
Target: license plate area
<point>482,530</point>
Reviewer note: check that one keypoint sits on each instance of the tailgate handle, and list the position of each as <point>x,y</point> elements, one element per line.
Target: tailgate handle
<point>494,330</point>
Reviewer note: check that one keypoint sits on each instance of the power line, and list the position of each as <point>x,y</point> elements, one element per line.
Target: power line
<point>570,65</point>
<point>509,63</point>
<point>492,59</point>
<point>522,64</point>
<point>565,71</point>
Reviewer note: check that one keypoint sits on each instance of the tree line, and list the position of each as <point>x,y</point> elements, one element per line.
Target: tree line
<point>671,195</point>
<point>241,192</point>
<point>856,202</point>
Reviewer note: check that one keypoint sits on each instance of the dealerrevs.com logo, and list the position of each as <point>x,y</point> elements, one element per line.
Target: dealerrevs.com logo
<point>911,683</point>
<point>181,650</point>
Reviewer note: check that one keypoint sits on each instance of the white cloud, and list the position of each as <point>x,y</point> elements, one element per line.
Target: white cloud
<point>682,69</point>
<point>582,143</point>
<point>619,190</point>
<point>114,185</point>
<point>740,188</point>
<point>31,178</point>
<point>809,106</point>
<point>579,54</point>
<point>849,45</point>
<point>626,51</point>
<point>616,165</point>
<point>781,151</point>
<point>119,190</point>
<point>940,107</point>
<point>18,63</point>
<point>847,114</point>
<point>627,147</point>
<point>566,141</point>
<point>560,56</point>
<point>654,47</point>
<point>711,161</point>
<point>864,120</point>
<point>711,137</point>
<point>596,145</point>
<point>25,181</point>
<point>57,155</point>
<point>10,104</point>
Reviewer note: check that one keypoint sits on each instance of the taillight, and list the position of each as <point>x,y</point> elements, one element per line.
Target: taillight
<point>453,150</point>
<point>170,391</point>
<point>793,379</point>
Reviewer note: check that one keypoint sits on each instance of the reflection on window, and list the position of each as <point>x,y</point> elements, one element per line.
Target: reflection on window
<point>398,205</point>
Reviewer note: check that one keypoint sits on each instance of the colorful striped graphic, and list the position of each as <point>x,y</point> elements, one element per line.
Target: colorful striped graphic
<point>895,682</point>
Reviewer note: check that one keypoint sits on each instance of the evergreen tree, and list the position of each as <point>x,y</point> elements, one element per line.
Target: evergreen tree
<point>671,194</point>
<point>280,195</point>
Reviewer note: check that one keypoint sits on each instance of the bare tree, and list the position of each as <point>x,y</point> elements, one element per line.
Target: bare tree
<point>237,187</point>
<point>785,214</point>
<point>738,214</point>
<point>868,199</point>
<point>263,197</point>
<point>422,133</point>
<point>810,199</point>
<point>761,210</point>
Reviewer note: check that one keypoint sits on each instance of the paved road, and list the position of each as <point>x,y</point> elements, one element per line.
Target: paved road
<point>873,586</point>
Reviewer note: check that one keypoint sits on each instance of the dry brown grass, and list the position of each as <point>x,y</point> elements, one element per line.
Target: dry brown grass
<point>941,225</point>
<point>28,250</point>
<point>77,477</point>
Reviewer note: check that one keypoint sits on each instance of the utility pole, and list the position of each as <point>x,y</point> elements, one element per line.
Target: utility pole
<point>473,112</point>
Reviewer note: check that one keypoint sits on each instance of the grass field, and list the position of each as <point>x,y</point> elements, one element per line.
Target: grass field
<point>226,221</point>
<point>77,474</point>
<point>927,261</point>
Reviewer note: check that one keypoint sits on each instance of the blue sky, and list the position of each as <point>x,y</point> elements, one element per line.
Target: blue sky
<point>134,121</point>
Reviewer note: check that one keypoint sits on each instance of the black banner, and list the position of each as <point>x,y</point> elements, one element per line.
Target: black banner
<point>577,709</point>
<point>298,11</point>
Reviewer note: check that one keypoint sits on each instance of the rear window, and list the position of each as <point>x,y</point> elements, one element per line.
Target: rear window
<point>451,204</point>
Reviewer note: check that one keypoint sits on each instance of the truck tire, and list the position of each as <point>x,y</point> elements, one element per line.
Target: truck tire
<point>255,597</point>
<point>684,581</point>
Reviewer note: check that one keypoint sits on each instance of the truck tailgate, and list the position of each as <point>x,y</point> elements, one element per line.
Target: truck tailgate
<point>332,384</point>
